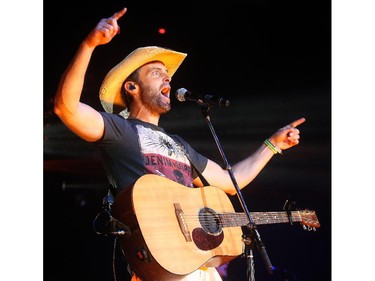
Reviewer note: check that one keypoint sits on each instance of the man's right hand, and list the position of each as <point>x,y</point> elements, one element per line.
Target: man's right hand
<point>105,30</point>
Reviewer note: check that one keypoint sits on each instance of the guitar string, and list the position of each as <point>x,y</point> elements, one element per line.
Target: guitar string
<point>234,219</point>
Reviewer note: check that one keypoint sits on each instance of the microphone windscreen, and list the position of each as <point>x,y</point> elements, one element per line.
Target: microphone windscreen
<point>180,94</point>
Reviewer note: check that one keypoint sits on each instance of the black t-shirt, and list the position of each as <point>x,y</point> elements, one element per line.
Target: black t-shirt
<point>131,148</point>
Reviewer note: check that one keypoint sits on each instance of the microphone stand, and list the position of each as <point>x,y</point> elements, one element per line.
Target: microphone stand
<point>254,234</point>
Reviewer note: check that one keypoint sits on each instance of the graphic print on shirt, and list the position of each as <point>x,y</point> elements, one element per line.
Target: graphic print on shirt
<point>163,156</point>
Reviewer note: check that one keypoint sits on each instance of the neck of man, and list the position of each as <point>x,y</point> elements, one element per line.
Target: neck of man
<point>146,116</point>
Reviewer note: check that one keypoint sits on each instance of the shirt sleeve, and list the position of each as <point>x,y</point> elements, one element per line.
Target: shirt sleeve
<point>197,159</point>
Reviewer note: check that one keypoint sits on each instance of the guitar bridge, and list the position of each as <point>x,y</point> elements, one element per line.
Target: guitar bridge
<point>180,218</point>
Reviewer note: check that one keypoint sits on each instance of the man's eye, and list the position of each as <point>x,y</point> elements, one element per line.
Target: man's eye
<point>156,73</point>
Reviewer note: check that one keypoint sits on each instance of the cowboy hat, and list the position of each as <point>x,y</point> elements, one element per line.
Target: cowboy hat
<point>110,90</point>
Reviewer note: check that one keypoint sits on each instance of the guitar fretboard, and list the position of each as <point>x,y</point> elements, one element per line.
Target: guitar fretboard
<point>240,219</point>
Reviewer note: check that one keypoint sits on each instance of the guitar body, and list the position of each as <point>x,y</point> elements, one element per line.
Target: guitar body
<point>174,229</point>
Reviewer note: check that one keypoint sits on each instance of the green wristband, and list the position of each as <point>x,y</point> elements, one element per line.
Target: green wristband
<point>273,147</point>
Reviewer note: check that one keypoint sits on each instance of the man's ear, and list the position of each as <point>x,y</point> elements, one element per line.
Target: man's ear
<point>130,86</point>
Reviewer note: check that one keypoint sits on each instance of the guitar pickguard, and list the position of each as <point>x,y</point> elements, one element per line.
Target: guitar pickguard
<point>205,241</point>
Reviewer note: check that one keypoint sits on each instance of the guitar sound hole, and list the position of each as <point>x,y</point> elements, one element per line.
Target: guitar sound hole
<point>210,221</point>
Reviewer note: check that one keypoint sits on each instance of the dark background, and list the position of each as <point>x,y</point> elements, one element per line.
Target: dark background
<point>271,59</point>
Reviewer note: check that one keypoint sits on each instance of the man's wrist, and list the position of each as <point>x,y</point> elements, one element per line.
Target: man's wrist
<point>275,149</point>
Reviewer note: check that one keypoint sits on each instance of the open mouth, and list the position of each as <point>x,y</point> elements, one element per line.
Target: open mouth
<point>166,91</point>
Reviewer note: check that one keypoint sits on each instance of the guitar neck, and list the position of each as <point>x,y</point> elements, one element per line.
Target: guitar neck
<point>241,219</point>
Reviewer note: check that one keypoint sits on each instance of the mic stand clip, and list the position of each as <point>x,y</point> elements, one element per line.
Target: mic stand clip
<point>104,223</point>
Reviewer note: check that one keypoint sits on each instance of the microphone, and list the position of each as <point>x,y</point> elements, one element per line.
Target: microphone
<point>184,95</point>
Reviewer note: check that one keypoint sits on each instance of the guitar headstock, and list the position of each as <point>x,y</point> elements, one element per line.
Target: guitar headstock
<point>309,220</point>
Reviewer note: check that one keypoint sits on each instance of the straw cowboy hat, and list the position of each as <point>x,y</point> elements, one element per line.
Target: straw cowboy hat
<point>110,90</point>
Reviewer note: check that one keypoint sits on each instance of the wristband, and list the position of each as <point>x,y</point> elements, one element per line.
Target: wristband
<point>273,147</point>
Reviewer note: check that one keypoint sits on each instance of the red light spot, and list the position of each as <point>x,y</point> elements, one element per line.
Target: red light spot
<point>162,30</point>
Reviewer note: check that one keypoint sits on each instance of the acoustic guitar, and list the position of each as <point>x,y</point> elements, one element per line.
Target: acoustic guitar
<point>174,230</point>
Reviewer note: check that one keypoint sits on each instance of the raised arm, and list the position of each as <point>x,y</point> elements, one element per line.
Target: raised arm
<point>246,170</point>
<point>80,118</point>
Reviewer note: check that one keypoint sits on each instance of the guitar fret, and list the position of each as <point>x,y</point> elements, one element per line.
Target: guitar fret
<point>266,218</point>
<point>231,219</point>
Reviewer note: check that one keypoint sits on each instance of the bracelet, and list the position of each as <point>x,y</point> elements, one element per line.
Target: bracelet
<point>273,147</point>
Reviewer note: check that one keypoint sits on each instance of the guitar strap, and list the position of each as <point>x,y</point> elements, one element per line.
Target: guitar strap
<point>204,181</point>
<point>202,178</point>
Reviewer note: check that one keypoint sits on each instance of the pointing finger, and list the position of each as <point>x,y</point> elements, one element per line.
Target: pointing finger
<point>297,122</point>
<point>119,14</point>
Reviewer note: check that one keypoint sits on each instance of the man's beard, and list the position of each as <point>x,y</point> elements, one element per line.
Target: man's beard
<point>154,101</point>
